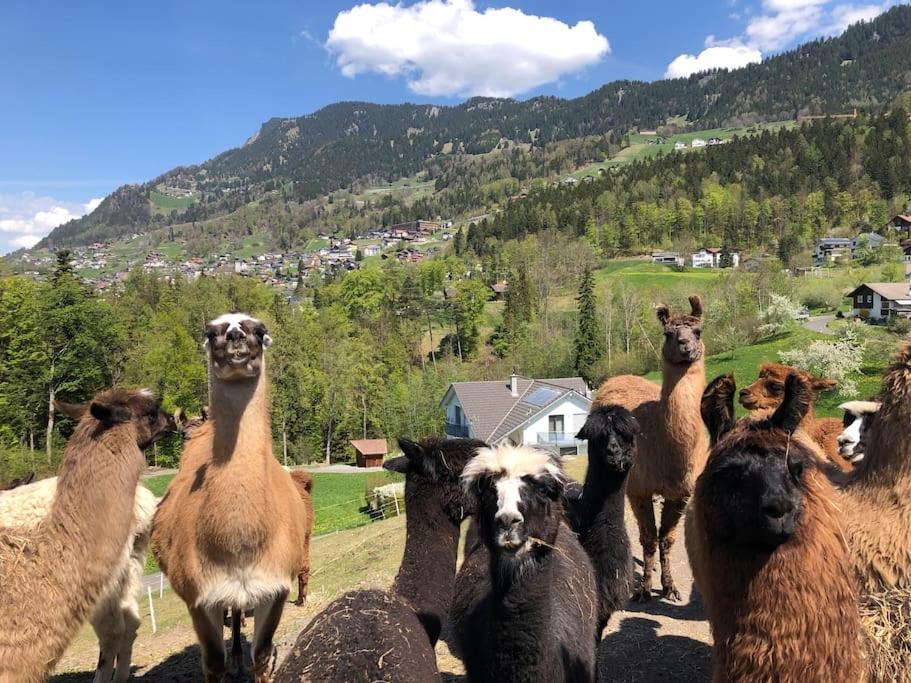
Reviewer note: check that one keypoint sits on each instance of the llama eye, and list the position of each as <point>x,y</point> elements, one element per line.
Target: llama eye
<point>698,333</point>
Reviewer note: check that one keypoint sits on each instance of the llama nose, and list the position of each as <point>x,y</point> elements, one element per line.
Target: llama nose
<point>777,507</point>
<point>744,393</point>
<point>235,335</point>
<point>509,520</point>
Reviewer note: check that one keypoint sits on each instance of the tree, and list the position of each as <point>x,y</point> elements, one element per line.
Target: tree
<point>779,316</point>
<point>839,359</point>
<point>589,341</point>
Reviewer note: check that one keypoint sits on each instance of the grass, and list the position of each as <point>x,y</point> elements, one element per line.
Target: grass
<point>167,202</point>
<point>172,250</point>
<point>315,245</point>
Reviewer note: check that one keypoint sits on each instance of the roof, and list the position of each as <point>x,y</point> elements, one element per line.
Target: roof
<point>494,412</point>
<point>499,287</point>
<point>903,217</point>
<point>893,291</point>
<point>370,446</point>
<point>835,240</point>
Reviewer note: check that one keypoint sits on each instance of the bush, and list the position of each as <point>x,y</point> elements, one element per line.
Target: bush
<point>779,317</point>
<point>899,325</point>
<point>838,359</point>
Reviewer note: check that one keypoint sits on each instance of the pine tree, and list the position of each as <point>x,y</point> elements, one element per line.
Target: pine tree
<point>589,342</point>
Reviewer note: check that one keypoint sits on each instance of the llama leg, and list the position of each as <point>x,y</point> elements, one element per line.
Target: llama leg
<point>302,580</point>
<point>107,621</point>
<point>131,622</point>
<point>644,510</point>
<point>671,513</point>
<point>265,621</point>
<point>209,626</point>
<point>237,652</point>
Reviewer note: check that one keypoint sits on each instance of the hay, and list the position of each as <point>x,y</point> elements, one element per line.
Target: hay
<point>886,620</point>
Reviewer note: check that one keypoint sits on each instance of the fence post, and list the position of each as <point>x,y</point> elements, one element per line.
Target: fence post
<point>152,610</point>
<point>160,585</point>
<point>395,497</point>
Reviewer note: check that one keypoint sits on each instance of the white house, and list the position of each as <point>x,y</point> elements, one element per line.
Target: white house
<point>881,300</point>
<point>698,142</point>
<point>667,258</point>
<point>541,412</point>
<point>708,257</point>
<point>830,248</point>
<point>371,249</point>
<point>679,145</point>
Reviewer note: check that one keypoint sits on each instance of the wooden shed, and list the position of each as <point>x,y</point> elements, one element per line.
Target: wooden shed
<point>370,452</point>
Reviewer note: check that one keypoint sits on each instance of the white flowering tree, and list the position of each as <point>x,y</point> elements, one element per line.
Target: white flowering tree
<point>838,359</point>
<point>779,317</point>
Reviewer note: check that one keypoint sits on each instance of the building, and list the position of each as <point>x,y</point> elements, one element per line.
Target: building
<point>900,223</point>
<point>370,452</point>
<point>371,249</point>
<point>715,141</point>
<point>667,258</point>
<point>708,257</point>
<point>698,142</point>
<point>873,240</point>
<point>499,290</point>
<point>828,249</point>
<point>415,228</point>
<point>881,300</point>
<point>520,410</point>
<point>679,145</point>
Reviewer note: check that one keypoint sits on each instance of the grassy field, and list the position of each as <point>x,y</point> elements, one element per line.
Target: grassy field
<point>315,245</point>
<point>167,202</point>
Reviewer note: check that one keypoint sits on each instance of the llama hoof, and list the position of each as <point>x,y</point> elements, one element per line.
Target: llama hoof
<point>670,593</point>
<point>642,594</point>
<point>238,662</point>
<point>300,602</point>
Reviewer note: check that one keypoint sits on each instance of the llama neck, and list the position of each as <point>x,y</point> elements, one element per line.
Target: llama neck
<point>426,577</point>
<point>240,411</point>
<point>681,393</point>
<point>602,496</point>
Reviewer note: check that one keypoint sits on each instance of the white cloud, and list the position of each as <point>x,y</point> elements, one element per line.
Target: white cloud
<point>845,15</point>
<point>775,31</point>
<point>715,57</point>
<point>447,47</point>
<point>25,217</point>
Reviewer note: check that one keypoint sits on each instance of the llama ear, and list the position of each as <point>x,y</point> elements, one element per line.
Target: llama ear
<point>821,384</point>
<point>210,333</point>
<point>663,313</point>
<point>696,306</point>
<point>399,464</point>
<point>73,410</point>
<point>797,399</point>
<point>263,336</point>
<point>110,413</point>
<point>412,450</point>
<point>717,406</point>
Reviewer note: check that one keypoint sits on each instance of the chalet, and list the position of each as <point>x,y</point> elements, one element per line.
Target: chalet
<point>900,223</point>
<point>415,228</point>
<point>881,300</point>
<point>715,141</point>
<point>873,240</point>
<point>906,250</point>
<point>698,142</point>
<point>667,258</point>
<point>679,145</point>
<point>828,249</point>
<point>541,412</point>
<point>499,290</point>
<point>708,257</point>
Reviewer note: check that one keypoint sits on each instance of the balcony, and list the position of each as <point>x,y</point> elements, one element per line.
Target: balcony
<point>457,430</point>
<point>557,438</point>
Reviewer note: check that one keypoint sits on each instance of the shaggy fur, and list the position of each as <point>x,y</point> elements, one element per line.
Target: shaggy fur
<point>596,514</point>
<point>767,552</point>
<point>672,444</point>
<point>304,484</point>
<point>52,576</point>
<point>115,617</point>
<point>367,636</point>
<point>873,503</point>
<point>526,604</point>
<point>766,394</point>
<point>217,553</point>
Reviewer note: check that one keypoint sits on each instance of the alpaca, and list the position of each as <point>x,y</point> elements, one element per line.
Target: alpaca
<point>766,394</point>
<point>216,553</point>
<point>873,501</point>
<point>533,615</point>
<point>21,481</point>
<point>672,445</point>
<point>115,617</point>
<point>598,511</point>
<point>859,417</point>
<point>304,484</point>
<point>54,574</point>
<point>371,635</point>
<point>762,520</point>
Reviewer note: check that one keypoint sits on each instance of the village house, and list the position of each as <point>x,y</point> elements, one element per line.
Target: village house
<point>679,145</point>
<point>371,249</point>
<point>520,410</point>
<point>828,249</point>
<point>900,223</point>
<point>709,257</point>
<point>667,258</point>
<point>698,142</point>
<point>881,300</point>
<point>499,290</point>
<point>873,240</point>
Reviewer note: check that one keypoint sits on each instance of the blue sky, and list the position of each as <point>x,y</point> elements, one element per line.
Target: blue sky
<point>94,95</point>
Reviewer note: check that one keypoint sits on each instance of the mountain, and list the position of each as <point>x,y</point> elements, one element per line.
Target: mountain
<point>302,158</point>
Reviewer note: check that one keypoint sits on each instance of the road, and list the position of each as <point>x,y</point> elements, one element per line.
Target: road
<point>819,323</point>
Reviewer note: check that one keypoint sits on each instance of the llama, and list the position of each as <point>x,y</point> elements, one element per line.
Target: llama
<point>533,614</point>
<point>859,417</point>
<point>304,484</point>
<point>20,481</point>
<point>762,520</point>
<point>596,514</point>
<point>115,617</point>
<point>188,425</point>
<point>766,394</point>
<point>672,444</point>
<point>53,575</point>
<point>372,635</point>
<point>216,553</point>
<point>877,520</point>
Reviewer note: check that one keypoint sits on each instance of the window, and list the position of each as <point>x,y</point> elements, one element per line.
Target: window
<point>555,424</point>
<point>458,415</point>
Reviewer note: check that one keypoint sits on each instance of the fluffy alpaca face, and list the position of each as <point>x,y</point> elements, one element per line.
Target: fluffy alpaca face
<point>611,432</point>
<point>682,334</point>
<point>433,468</point>
<point>858,417</point>
<point>235,343</point>
<point>516,490</point>
<point>768,390</point>
<point>118,406</point>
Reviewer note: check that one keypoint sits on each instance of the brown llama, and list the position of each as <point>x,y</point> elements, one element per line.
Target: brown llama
<point>304,484</point>
<point>53,575</point>
<point>765,544</point>
<point>767,391</point>
<point>873,502</point>
<point>672,443</point>
<point>217,552</point>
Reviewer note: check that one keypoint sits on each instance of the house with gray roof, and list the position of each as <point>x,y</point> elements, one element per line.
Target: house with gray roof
<point>881,300</point>
<point>519,410</point>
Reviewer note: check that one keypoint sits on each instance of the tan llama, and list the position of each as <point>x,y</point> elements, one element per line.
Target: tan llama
<point>230,532</point>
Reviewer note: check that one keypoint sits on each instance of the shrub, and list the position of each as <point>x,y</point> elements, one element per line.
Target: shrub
<point>899,325</point>
<point>779,316</point>
<point>838,359</point>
